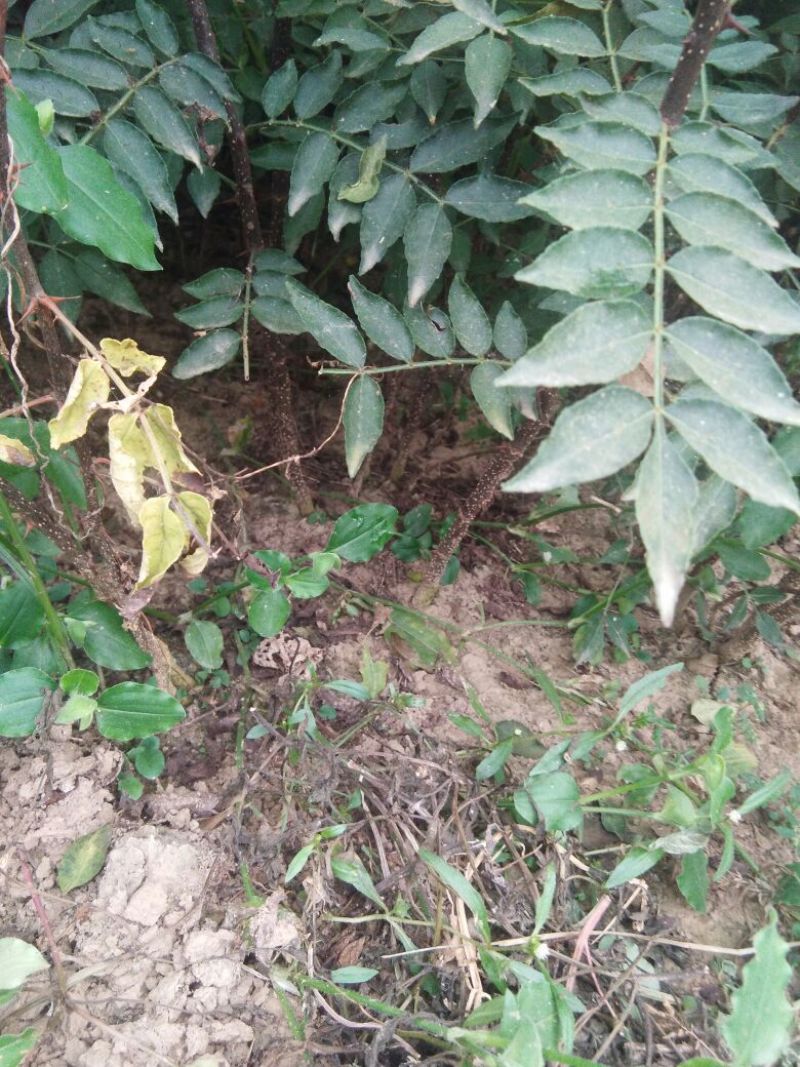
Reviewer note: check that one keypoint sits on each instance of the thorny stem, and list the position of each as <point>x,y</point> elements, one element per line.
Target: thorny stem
<point>710,17</point>
<point>612,52</point>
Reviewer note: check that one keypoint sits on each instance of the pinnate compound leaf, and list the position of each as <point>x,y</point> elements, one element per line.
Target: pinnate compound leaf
<point>65,96</point>
<point>471,324</point>
<point>489,197</point>
<point>735,366</point>
<point>580,200</point>
<point>164,538</point>
<point>18,961</point>
<point>495,403</point>
<point>204,188</point>
<point>362,532</point>
<point>631,109</point>
<point>269,612</point>
<point>204,642</point>
<point>279,89</point>
<point>758,1030</point>
<point>211,314</point>
<point>597,263</point>
<point>363,421</point>
<point>223,281</point>
<point>101,213</point>
<point>88,391</point>
<point>160,421</point>
<point>427,241</point>
<point>214,350</point>
<point>596,343</point>
<point>565,36</point>
<point>735,449</point>
<point>83,860</point>
<point>487,65</point>
<point>45,17</point>
<point>381,322</point>
<point>665,503</point>
<point>431,331</point>
<point>384,219</point>
<point>127,358</point>
<point>705,218</point>
<point>726,286</point>
<point>603,146</point>
<point>367,106</point>
<point>130,710</point>
<point>88,68</point>
<point>331,328</point>
<point>447,30</point>
<point>313,165</point>
<point>591,439</point>
<point>41,184</point>
<point>22,695</point>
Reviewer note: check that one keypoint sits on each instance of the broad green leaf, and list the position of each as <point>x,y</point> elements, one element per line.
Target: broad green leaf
<point>636,863</point>
<point>751,109</point>
<point>740,56</point>
<point>704,218</point>
<point>277,315</point>
<point>89,68</point>
<point>313,165</point>
<point>353,33</point>
<point>130,710</point>
<point>122,44</point>
<point>211,314</point>
<point>381,322</point>
<point>318,86</point>
<point>208,353</point>
<point>22,695</point>
<point>366,186</point>
<point>45,17</point>
<point>603,146</point>
<point>101,213</point>
<point>15,452</point>
<point>269,612</point>
<point>68,97</point>
<point>83,860</point>
<point>591,439</point>
<point>470,322</point>
<point>79,681</point>
<point>577,81</point>
<point>429,88</point>
<point>631,109</point>
<point>126,357</point>
<point>204,188</point>
<point>665,504</point>
<point>614,197</point>
<point>427,239</point>
<point>158,27</point>
<point>331,329</point>
<point>224,281</point>
<point>186,87</point>
<point>58,276</point>
<point>482,12</point>
<point>159,117</point>
<point>714,511</point>
<point>759,1028</point>
<point>204,642</point>
<point>447,30</point>
<point>695,173</point>
<point>164,538</point>
<point>597,263</point>
<point>431,331</point>
<point>18,961</point>
<point>732,146</point>
<point>41,185</point>
<point>367,106</point>
<point>130,149</point>
<point>15,1048</point>
<point>384,219</point>
<point>458,143</point>
<point>107,643</point>
<point>727,286</point>
<point>564,36</point>
<point>735,449</point>
<point>759,525</point>
<point>454,880</point>
<point>148,759</point>
<point>735,366</point>
<point>105,279</point>
<point>21,614</point>
<point>350,869</point>
<point>509,335</point>
<point>87,393</point>
<point>487,65</point>
<point>362,532</point>
<point>489,197</point>
<point>742,562</point>
<point>363,421</point>
<point>596,343</point>
<point>495,403</point>
<point>279,89</point>
<point>556,797</point>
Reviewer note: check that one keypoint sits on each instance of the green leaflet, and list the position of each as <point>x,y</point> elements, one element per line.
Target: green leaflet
<point>565,36</point>
<point>487,65</point>
<point>381,322</point>
<point>596,263</point>
<point>329,327</point>
<point>446,31</point>
<point>427,239</point>
<point>363,421</point>
<point>384,219</point>
<point>313,165</point>
<point>471,324</point>
<point>603,146</point>
<point>616,197</point>
<point>704,218</point>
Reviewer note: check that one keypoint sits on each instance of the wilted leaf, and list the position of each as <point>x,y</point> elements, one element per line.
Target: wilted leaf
<point>164,538</point>
<point>88,391</point>
<point>83,860</point>
<point>15,452</point>
<point>129,454</point>
<point>18,961</point>
<point>127,358</point>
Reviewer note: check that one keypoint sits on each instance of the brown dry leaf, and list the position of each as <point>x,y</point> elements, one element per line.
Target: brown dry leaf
<point>640,379</point>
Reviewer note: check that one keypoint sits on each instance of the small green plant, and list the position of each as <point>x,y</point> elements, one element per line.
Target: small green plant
<point>19,961</point>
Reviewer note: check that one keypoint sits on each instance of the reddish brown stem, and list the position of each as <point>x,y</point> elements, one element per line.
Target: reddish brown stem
<point>711,17</point>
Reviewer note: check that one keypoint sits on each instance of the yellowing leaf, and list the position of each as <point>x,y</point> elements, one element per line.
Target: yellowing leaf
<point>199,510</point>
<point>161,421</point>
<point>14,452</point>
<point>164,538</point>
<point>88,392</point>
<point>129,454</point>
<point>126,357</point>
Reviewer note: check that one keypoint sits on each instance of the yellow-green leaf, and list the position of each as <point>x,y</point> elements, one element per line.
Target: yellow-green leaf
<point>126,357</point>
<point>88,392</point>
<point>84,859</point>
<point>14,452</point>
<point>129,454</point>
<point>199,510</point>
<point>161,420</point>
<point>164,537</point>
